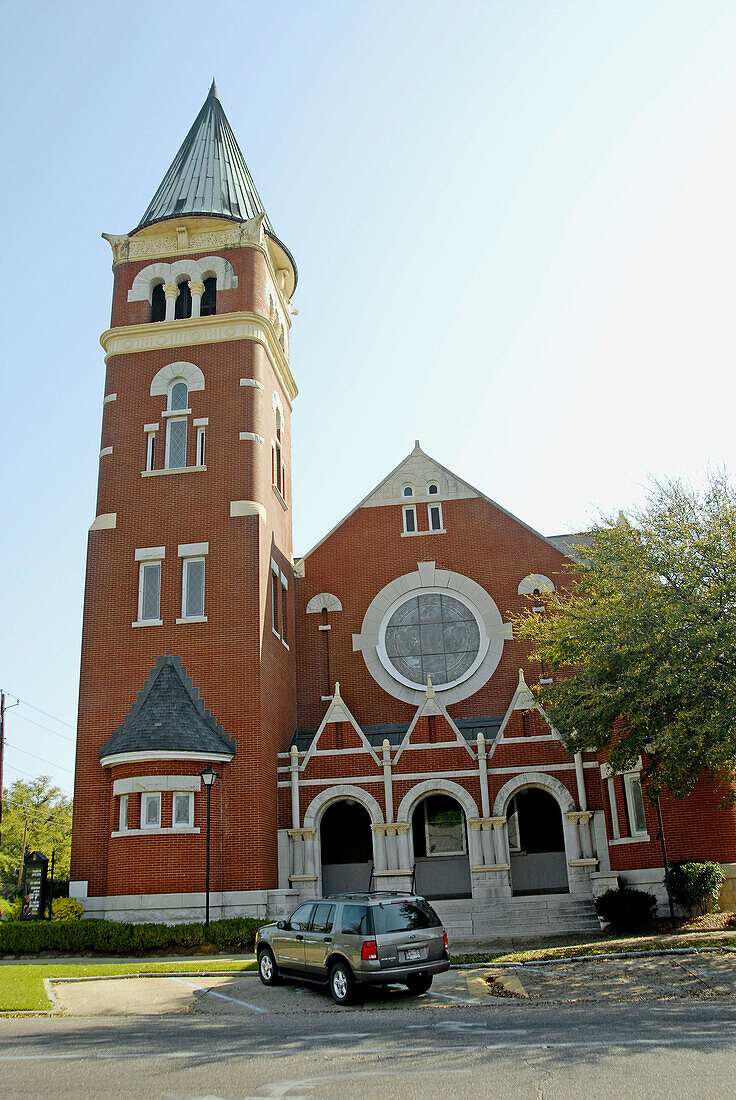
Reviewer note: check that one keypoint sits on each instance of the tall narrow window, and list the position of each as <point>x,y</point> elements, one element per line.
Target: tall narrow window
<point>434,515</point>
<point>151,811</point>
<point>176,444</point>
<point>150,450</point>
<point>278,465</point>
<point>183,306</point>
<point>209,298</point>
<point>275,599</point>
<point>192,597</point>
<point>149,592</point>
<point>410,519</point>
<point>123,815</point>
<point>284,610</point>
<point>182,812</point>
<point>200,447</point>
<point>635,805</point>
<point>158,303</point>
<point>178,397</point>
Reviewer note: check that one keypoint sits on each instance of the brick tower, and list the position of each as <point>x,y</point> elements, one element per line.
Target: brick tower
<point>188,615</point>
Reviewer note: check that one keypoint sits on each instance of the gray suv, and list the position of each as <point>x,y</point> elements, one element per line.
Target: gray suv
<point>352,939</point>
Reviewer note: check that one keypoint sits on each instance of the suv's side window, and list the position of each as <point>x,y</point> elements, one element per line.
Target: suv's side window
<point>357,920</point>
<point>323,918</point>
<point>299,920</point>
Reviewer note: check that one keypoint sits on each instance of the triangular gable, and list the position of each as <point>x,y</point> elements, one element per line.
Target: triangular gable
<point>432,705</point>
<point>420,463</point>
<point>338,712</point>
<point>523,700</point>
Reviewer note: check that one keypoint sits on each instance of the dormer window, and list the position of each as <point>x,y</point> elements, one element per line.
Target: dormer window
<point>158,303</point>
<point>183,305</point>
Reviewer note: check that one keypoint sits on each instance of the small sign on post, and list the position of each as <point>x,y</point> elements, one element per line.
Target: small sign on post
<point>35,869</point>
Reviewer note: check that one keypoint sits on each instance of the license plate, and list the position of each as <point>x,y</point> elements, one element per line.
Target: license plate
<point>413,954</point>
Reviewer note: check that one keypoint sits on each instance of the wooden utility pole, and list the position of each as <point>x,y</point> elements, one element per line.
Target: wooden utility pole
<point>23,853</point>
<point>2,753</point>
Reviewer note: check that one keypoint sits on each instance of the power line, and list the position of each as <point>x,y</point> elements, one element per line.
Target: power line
<point>41,758</point>
<point>34,813</point>
<point>29,775</point>
<point>56,733</point>
<point>38,709</point>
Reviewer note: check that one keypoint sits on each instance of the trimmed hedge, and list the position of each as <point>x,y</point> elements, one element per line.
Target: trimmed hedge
<point>627,910</point>
<point>107,937</point>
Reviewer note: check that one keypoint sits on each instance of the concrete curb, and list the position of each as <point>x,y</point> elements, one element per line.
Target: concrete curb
<point>592,958</point>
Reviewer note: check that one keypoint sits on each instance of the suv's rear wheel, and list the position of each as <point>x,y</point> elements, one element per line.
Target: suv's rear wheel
<point>342,984</point>
<point>267,968</point>
<point>420,983</point>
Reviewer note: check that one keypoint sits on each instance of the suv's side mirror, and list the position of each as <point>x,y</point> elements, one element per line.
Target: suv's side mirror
<point>282,925</point>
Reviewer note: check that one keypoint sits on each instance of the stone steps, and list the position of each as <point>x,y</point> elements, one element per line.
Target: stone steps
<point>470,921</point>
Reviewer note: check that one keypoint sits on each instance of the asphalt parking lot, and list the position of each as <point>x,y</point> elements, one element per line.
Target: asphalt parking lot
<point>612,979</point>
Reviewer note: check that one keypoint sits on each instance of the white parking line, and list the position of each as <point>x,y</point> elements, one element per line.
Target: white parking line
<point>222,996</point>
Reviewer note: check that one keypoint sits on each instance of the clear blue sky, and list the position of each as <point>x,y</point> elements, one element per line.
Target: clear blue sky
<point>513,222</point>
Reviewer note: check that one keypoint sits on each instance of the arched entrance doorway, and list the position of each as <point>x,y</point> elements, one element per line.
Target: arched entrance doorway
<point>536,843</point>
<point>439,832</point>
<point>346,842</point>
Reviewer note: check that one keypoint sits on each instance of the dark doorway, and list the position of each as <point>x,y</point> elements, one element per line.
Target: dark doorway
<point>347,847</point>
<point>441,865</point>
<point>536,843</point>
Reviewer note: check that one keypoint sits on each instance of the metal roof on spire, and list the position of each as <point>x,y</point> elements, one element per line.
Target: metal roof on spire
<point>208,175</point>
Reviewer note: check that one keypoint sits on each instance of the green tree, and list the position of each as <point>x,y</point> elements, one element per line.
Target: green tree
<point>642,635</point>
<point>48,812</point>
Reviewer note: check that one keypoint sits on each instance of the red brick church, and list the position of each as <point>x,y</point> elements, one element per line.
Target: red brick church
<point>365,707</point>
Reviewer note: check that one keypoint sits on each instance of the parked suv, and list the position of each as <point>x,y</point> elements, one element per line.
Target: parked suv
<point>351,939</point>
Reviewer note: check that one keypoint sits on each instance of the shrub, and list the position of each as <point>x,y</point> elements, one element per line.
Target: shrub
<point>104,937</point>
<point>696,886</point>
<point>627,910</point>
<point>10,910</point>
<point>66,909</point>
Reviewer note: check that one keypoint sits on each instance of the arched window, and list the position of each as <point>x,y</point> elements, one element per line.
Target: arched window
<point>183,306</point>
<point>158,303</point>
<point>209,298</point>
<point>407,491</point>
<point>176,428</point>
<point>433,488</point>
<point>278,465</point>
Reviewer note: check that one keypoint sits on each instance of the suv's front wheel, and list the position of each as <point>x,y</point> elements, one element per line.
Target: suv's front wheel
<point>267,968</point>
<point>342,984</point>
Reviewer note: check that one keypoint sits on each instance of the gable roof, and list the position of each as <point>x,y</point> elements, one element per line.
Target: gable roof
<point>168,716</point>
<point>419,464</point>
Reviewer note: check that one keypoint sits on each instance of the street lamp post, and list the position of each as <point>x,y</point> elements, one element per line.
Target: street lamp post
<point>208,776</point>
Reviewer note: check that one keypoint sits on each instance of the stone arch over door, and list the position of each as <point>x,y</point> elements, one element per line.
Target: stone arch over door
<point>537,868</point>
<point>426,807</point>
<point>344,866</point>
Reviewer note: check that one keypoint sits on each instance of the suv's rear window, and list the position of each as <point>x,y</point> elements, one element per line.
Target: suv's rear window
<point>356,920</point>
<point>404,916</point>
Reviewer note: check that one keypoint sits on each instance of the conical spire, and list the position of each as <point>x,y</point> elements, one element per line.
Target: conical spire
<point>208,175</point>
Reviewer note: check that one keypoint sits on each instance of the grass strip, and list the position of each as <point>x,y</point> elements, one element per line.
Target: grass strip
<point>21,985</point>
<point>604,947</point>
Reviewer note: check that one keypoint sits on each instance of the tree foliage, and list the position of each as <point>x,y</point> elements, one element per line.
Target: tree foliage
<point>642,637</point>
<point>48,812</point>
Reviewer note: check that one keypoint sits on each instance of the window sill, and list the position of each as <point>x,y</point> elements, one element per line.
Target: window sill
<point>192,619</point>
<point>172,470</point>
<point>284,644</point>
<point>413,534</point>
<point>148,622</point>
<point>177,412</point>
<point>172,831</point>
<point>279,497</point>
<point>643,838</point>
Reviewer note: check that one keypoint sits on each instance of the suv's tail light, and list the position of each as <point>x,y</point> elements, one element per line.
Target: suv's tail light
<point>447,942</point>
<point>369,951</point>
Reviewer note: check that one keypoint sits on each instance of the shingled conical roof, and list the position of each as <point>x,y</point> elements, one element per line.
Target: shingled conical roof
<point>208,175</point>
<point>169,716</point>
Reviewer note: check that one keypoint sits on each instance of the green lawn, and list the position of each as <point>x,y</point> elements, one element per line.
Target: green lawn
<point>22,989</point>
<point>617,947</point>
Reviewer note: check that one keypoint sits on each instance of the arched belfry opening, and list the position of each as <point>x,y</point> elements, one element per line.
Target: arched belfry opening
<point>536,843</point>
<point>440,836</point>
<point>346,843</point>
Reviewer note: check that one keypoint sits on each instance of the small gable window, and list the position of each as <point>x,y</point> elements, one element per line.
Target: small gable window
<point>407,491</point>
<point>433,489</point>
<point>208,306</point>
<point>183,306</point>
<point>158,303</point>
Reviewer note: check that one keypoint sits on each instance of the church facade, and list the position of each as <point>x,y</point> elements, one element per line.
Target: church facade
<point>365,708</point>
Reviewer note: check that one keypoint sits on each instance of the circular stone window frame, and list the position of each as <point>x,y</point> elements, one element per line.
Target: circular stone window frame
<point>424,579</point>
<point>399,602</point>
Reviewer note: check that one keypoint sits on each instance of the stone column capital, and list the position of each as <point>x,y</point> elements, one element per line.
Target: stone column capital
<point>171,290</point>
<point>196,286</point>
<point>579,817</point>
<point>302,834</point>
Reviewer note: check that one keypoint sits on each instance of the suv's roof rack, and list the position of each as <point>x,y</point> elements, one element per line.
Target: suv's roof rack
<point>367,895</point>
